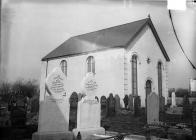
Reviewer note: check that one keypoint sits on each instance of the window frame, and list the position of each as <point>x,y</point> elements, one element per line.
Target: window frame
<point>160,78</point>
<point>134,63</point>
<point>90,62</point>
<point>63,65</point>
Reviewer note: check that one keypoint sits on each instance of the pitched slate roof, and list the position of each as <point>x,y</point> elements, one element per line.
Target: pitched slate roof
<point>119,36</point>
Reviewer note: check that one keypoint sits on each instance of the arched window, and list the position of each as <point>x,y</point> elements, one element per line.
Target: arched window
<point>64,66</point>
<point>90,64</point>
<point>134,75</point>
<point>160,78</point>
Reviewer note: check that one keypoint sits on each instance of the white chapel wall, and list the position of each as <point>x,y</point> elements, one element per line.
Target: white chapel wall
<point>109,71</point>
<point>146,46</point>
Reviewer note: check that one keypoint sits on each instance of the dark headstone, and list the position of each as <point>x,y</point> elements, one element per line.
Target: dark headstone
<point>73,110</point>
<point>186,107</point>
<point>79,137</point>
<point>126,101</point>
<point>130,103</point>
<point>162,103</point>
<point>137,105</point>
<point>152,108</point>
<point>117,104</point>
<point>194,121</point>
<point>18,117</point>
<point>97,98</point>
<point>104,107</point>
<point>111,105</point>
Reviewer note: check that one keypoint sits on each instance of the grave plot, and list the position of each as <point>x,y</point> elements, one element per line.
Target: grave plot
<point>127,118</point>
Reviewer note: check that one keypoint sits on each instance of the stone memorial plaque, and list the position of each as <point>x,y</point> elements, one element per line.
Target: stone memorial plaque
<point>88,114</point>
<point>89,110</point>
<point>55,83</point>
<point>54,110</point>
<point>89,85</point>
<point>53,120</point>
<point>152,108</point>
<point>54,115</point>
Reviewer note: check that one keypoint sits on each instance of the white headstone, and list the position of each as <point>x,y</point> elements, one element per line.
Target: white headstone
<point>173,104</point>
<point>89,85</point>
<point>88,113</point>
<point>193,85</point>
<point>152,108</point>
<point>55,83</point>
<point>54,111</point>
<point>89,110</point>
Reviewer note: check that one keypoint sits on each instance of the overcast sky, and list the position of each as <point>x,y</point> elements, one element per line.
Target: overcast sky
<point>32,28</point>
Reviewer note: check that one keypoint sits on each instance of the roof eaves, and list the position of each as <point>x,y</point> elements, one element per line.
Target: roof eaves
<point>75,54</point>
<point>47,56</point>
<point>158,39</point>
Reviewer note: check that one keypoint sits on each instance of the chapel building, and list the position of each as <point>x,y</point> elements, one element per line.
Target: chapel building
<point>125,59</point>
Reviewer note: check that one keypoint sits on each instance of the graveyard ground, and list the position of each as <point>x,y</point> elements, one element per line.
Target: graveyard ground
<point>123,122</point>
<point>127,122</point>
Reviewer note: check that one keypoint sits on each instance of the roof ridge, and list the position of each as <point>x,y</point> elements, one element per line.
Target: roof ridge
<point>115,36</point>
<point>111,27</point>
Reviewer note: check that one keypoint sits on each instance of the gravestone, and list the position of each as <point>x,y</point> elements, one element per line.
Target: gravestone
<point>111,105</point>
<point>194,121</point>
<point>137,105</point>
<point>73,100</point>
<point>54,110</point>
<point>152,108</point>
<point>173,104</point>
<point>104,107</point>
<point>89,111</point>
<point>117,104</point>
<point>162,103</point>
<point>97,98</point>
<point>126,101</point>
<point>130,103</point>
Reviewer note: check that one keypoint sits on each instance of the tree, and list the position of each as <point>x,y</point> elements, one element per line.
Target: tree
<point>19,88</point>
<point>180,92</point>
<point>25,88</point>
<point>5,90</point>
<point>170,91</point>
